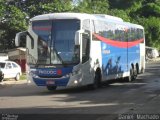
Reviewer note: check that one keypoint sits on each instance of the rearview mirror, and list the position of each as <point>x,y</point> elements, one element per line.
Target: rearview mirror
<point>18,37</point>
<point>78,37</point>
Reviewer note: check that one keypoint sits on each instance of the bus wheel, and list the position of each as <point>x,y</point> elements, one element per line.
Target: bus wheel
<point>97,82</point>
<point>131,76</point>
<point>137,68</point>
<point>51,88</point>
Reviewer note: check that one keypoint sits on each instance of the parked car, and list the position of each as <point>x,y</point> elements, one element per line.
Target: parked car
<point>10,69</point>
<point>1,75</point>
<point>151,52</point>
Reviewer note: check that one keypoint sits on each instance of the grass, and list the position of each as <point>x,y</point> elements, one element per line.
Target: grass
<point>23,76</point>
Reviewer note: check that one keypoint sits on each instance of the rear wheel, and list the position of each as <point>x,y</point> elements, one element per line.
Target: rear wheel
<point>132,76</point>
<point>137,68</point>
<point>51,88</point>
<point>17,77</point>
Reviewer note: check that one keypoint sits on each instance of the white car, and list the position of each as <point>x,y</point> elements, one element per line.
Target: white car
<point>151,52</point>
<point>10,69</point>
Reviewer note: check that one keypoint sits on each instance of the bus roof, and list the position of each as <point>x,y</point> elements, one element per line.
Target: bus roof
<point>83,16</point>
<point>62,16</point>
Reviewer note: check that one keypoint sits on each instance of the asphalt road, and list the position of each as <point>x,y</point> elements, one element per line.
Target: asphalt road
<point>141,96</point>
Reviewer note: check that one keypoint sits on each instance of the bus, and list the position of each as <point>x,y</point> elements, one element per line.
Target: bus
<point>79,49</point>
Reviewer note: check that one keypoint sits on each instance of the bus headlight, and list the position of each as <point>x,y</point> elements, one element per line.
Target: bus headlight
<point>76,72</point>
<point>33,73</point>
<point>75,82</point>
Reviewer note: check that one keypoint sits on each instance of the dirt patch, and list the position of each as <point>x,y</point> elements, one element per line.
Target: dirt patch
<point>12,82</point>
<point>153,60</point>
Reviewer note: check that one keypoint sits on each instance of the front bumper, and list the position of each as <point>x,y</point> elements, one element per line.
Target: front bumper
<point>53,81</point>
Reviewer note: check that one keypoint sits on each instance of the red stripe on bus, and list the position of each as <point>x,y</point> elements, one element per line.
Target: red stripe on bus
<point>42,28</point>
<point>118,43</point>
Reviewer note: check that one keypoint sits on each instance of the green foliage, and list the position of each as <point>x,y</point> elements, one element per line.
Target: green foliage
<point>12,21</point>
<point>93,6</point>
<point>120,4</point>
<point>152,31</point>
<point>14,16</point>
<point>120,13</point>
<point>23,76</point>
<point>34,8</point>
<point>150,9</point>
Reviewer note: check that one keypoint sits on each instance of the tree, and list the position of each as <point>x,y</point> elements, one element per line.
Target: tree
<point>15,15</point>
<point>121,4</point>
<point>92,6</point>
<point>152,31</point>
<point>13,20</point>
<point>120,13</point>
<point>38,7</point>
<point>150,9</point>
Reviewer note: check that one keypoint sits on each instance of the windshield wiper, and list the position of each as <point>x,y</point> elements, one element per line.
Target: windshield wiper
<point>60,58</point>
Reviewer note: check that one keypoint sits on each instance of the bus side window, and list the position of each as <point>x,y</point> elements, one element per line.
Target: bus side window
<point>85,47</point>
<point>86,41</point>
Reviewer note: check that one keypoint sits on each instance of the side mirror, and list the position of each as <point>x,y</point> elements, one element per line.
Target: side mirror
<point>18,37</point>
<point>78,37</point>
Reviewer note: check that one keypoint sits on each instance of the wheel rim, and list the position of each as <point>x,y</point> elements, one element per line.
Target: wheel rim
<point>18,77</point>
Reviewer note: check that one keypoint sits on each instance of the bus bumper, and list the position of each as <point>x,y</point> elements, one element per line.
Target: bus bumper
<point>51,81</point>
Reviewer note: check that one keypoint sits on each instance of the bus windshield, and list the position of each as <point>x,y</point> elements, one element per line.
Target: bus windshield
<point>56,41</point>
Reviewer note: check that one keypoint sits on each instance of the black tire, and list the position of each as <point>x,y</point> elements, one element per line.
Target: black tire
<point>135,73</point>
<point>137,69</point>
<point>1,79</point>
<point>1,76</point>
<point>131,76</point>
<point>97,82</point>
<point>51,88</point>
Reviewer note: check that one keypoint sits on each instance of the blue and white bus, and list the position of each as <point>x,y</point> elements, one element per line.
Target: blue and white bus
<point>77,49</point>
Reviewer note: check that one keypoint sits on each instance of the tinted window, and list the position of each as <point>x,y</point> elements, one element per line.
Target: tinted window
<point>8,66</point>
<point>63,35</point>
<point>14,65</point>
<point>2,65</point>
<point>56,40</point>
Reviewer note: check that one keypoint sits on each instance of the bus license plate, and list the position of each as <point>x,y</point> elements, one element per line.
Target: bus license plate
<point>50,82</point>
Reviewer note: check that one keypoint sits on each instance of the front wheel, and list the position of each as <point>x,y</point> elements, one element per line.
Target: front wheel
<point>51,88</point>
<point>97,82</point>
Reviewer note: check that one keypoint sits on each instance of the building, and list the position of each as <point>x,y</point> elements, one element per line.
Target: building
<point>19,56</point>
<point>3,56</point>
